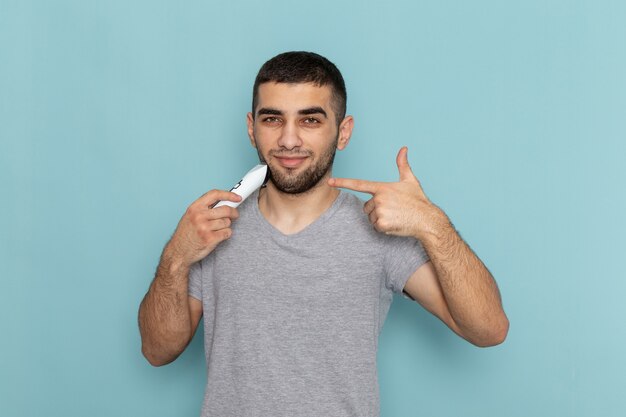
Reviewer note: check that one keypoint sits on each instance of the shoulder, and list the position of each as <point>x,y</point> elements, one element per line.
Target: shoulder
<point>351,219</point>
<point>352,214</point>
<point>249,204</point>
<point>350,207</point>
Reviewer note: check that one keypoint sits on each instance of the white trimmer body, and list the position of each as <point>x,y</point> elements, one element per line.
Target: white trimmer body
<point>252,181</point>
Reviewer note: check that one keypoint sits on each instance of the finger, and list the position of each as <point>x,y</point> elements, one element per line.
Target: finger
<point>369,206</point>
<point>208,220</point>
<point>223,211</point>
<point>404,168</point>
<point>214,196</point>
<point>218,224</point>
<point>373,217</point>
<point>363,186</point>
<point>223,234</point>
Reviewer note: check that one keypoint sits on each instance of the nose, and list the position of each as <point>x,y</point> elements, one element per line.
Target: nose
<point>289,136</point>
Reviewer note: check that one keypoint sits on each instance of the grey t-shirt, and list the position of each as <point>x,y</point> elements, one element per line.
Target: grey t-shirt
<point>292,321</point>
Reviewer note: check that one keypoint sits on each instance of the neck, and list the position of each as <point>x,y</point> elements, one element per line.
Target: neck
<point>290,213</point>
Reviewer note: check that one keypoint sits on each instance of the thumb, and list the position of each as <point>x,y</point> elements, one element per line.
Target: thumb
<point>403,165</point>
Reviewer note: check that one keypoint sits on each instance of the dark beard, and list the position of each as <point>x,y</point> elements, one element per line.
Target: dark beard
<point>297,184</point>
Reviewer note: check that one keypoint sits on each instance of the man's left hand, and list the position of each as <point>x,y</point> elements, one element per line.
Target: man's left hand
<point>397,208</point>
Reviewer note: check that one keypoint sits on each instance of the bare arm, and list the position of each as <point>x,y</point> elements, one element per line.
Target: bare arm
<point>168,316</point>
<point>455,285</point>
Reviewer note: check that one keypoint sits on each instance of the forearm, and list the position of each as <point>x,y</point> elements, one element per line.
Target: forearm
<point>167,322</point>
<point>164,317</point>
<point>469,289</point>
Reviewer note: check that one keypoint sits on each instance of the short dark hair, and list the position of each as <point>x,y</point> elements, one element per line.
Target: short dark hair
<point>303,67</point>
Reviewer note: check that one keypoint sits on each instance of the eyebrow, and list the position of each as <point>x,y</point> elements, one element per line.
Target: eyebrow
<point>303,112</point>
<point>266,110</point>
<point>313,110</point>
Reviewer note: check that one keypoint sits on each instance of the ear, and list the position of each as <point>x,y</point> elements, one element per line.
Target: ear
<point>250,122</point>
<point>345,132</point>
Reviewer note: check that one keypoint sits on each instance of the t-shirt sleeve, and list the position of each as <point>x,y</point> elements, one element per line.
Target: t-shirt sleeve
<point>195,280</point>
<point>403,257</point>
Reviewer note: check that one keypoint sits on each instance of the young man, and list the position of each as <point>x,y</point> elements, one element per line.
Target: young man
<point>295,283</point>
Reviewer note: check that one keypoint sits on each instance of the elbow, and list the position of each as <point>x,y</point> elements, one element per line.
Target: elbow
<point>496,335</point>
<point>155,359</point>
<point>160,350</point>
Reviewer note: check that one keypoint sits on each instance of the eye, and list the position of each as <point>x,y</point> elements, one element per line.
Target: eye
<point>271,120</point>
<point>311,121</point>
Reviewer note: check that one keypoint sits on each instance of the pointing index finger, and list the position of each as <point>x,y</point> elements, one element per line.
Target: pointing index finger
<point>363,186</point>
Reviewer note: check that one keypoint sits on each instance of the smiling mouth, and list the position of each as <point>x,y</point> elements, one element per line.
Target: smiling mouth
<point>290,161</point>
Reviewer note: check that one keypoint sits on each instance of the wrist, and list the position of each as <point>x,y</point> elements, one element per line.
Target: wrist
<point>172,262</point>
<point>435,225</point>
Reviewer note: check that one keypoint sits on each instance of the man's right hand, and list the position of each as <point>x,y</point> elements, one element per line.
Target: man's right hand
<point>202,227</point>
<point>168,316</point>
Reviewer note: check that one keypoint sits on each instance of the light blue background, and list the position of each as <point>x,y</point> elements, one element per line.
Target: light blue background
<point>115,115</point>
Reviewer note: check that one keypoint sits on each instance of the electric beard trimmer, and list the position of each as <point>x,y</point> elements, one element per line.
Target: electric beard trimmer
<point>252,181</point>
